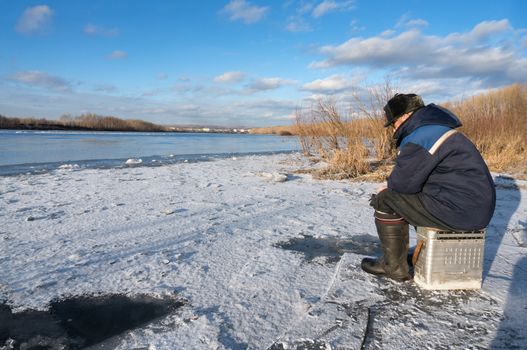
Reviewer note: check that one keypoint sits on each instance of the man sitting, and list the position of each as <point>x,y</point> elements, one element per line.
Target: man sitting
<point>439,180</point>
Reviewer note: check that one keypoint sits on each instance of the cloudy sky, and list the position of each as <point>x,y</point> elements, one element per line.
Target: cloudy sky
<point>247,62</point>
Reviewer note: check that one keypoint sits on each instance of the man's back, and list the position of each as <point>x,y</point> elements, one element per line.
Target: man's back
<point>444,168</point>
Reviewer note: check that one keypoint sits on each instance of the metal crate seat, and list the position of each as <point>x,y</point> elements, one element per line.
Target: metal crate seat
<point>448,259</point>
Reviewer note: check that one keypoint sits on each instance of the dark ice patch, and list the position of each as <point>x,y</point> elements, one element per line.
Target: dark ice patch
<point>330,247</point>
<point>80,322</point>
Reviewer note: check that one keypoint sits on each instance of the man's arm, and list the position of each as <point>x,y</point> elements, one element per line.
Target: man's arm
<point>412,168</point>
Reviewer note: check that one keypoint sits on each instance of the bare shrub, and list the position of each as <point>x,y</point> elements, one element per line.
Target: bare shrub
<point>368,105</point>
<point>353,144</point>
<point>305,130</point>
<point>321,129</point>
<point>324,132</point>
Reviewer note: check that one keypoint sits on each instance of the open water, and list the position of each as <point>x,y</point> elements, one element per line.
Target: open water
<point>43,151</point>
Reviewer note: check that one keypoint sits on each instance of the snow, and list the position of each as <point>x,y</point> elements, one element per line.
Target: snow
<point>265,258</point>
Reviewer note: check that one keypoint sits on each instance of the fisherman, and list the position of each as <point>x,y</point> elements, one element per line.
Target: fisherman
<point>439,180</point>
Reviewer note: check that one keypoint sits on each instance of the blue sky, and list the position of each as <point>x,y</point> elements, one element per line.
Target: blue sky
<point>248,62</point>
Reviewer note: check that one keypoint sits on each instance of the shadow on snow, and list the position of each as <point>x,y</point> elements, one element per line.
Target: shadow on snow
<point>332,248</point>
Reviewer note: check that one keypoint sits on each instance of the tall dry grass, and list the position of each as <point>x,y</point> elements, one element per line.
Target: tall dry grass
<point>324,132</point>
<point>285,130</point>
<point>496,122</point>
<point>355,143</point>
<point>352,141</point>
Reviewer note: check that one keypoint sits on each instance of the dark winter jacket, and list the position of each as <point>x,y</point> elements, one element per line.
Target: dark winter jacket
<point>444,168</point>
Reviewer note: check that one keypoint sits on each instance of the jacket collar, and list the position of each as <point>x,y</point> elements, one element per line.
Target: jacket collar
<point>429,115</point>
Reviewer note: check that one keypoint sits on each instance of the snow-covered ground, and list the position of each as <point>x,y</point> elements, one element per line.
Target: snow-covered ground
<point>261,263</point>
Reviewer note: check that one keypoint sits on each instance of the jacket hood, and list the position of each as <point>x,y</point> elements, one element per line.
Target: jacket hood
<point>429,115</point>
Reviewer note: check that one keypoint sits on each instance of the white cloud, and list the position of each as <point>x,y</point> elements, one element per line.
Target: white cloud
<point>328,6</point>
<point>34,19</point>
<point>406,21</point>
<point>305,7</point>
<point>91,29</point>
<point>230,77</point>
<point>482,53</point>
<point>41,79</point>
<point>480,32</point>
<point>107,88</point>
<point>323,8</point>
<point>299,21</point>
<point>356,26</point>
<point>427,87</point>
<point>117,55</point>
<point>330,84</point>
<point>202,108</point>
<point>200,90</point>
<point>264,84</point>
<point>443,89</point>
<point>298,24</point>
<point>416,23</point>
<point>244,11</point>
<point>487,28</point>
<point>379,50</point>
<point>387,33</point>
<point>287,117</point>
<point>157,111</point>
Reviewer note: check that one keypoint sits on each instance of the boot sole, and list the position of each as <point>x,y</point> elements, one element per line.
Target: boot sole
<point>403,279</point>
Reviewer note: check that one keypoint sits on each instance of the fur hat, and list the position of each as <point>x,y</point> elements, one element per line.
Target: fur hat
<point>401,104</point>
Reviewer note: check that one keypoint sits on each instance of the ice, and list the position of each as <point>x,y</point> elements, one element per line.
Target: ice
<point>133,161</point>
<point>274,177</point>
<point>520,235</point>
<point>69,167</point>
<point>261,264</point>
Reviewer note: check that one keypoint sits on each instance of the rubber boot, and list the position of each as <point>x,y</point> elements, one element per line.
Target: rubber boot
<point>395,243</point>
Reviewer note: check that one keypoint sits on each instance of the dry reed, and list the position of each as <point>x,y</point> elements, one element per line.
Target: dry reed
<point>353,144</point>
<point>496,122</point>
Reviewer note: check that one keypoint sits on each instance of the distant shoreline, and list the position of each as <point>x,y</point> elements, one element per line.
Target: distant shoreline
<point>168,130</point>
<point>93,122</point>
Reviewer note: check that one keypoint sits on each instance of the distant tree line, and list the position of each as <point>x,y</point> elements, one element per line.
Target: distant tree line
<point>87,121</point>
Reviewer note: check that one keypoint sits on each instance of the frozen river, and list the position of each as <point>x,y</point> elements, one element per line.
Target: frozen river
<point>41,151</point>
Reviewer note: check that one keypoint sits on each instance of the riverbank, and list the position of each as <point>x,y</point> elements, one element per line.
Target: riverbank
<point>256,255</point>
<point>165,129</point>
<point>93,122</point>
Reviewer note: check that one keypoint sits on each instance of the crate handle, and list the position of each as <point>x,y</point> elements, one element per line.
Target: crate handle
<point>417,251</point>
